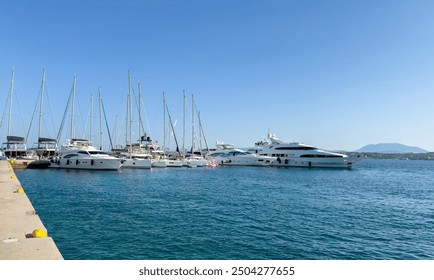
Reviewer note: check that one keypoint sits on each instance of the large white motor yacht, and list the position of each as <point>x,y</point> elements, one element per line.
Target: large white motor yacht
<point>227,154</point>
<point>80,154</point>
<point>301,155</point>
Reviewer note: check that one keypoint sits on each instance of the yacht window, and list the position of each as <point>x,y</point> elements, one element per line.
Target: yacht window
<point>97,153</point>
<point>82,152</point>
<point>71,155</point>
<point>300,148</point>
<point>320,156</point>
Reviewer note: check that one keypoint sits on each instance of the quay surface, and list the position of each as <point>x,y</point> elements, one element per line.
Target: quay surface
<point>18,222</point>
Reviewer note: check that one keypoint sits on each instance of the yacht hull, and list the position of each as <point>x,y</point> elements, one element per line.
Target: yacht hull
<point>137,163</point>
<point>300,162</point>
<point>87,164</point>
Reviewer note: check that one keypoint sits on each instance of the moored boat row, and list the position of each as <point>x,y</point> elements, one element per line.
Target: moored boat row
<point>80,154</point>
<point>77,153</point>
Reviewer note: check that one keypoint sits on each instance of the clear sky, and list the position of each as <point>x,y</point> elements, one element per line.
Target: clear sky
<point>334,74</point>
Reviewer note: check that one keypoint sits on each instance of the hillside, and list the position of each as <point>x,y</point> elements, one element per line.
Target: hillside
<point>390,148</point>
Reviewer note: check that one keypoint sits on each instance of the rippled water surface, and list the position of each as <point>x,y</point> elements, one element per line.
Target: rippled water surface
<point>378,210</point>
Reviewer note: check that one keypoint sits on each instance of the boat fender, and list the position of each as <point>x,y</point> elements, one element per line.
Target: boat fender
<point>67,162</point>
<point>92,162</point>
<point>286,161</point>
<point>279,160</point>
<point>77,162</point>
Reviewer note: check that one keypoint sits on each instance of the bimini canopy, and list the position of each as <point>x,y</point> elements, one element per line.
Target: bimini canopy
<point>15,140</point>
<point>46,140</point>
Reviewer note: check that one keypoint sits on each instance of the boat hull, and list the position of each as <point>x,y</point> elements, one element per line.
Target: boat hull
<point>159,163</point>
<point>174,163</point>
<point>249,160</point>
<point>87,164</point>
<point>137,163</point>
<point>315,162</point>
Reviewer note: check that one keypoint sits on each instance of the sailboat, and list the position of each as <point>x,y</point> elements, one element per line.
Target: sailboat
<point>173,159</point>
<point>193,159</point>
<point>78,153</point>
<point>15,147</point>
<point>133,154</point>
<point>46,147</point>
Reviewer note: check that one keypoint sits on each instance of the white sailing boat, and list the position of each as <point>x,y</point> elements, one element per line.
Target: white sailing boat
<point>46,147</point>
<point>193,158</point>
<point>171,159</point>
<point>133,154</point>
<point>15,146</point>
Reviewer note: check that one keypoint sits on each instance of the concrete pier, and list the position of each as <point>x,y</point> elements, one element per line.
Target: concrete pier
<point>18,222</point>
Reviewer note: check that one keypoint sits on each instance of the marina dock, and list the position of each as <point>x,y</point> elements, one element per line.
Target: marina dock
<point>22,234</point>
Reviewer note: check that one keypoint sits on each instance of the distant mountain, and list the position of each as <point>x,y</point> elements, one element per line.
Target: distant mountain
<point>388,148</point>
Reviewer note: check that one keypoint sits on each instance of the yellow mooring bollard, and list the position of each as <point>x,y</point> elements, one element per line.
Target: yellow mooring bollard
<point>39,233</point>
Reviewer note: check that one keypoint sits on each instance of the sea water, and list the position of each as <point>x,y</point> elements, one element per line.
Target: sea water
<point>380,209</point>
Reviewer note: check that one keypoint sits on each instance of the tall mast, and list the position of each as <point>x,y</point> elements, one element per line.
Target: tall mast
<point>72,111</point>
<point>164,122</point>
<point>130,113</point>
<point>173,130</point>
<point>200,134</point>
<point>192,125</point>
<point>201,131</point>
<point>140,113</point>
<point>101,144</point>
<point>91,117</point>
<point>183,130</point>
<point>40,105</point>
<point>11,92</point>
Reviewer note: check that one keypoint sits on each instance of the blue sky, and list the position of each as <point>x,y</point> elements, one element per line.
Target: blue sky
<point>335,74</point>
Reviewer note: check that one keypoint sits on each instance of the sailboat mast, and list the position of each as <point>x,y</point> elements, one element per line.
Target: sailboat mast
<point>200,135</point>
<point>192,125</point>
<point>130,113</point>
<point>11,92</point>
<point>91,117</point>
<point>73,105</point>
<point>202,132</point>
<point>40,105</point>
<point>101,144</point>
<point>173,130</point>
<point>140,113</point>
<point>164,122</point>
<point>183,130</point>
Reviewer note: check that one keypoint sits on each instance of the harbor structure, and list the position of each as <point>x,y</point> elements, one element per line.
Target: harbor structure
<point>23,236</point>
